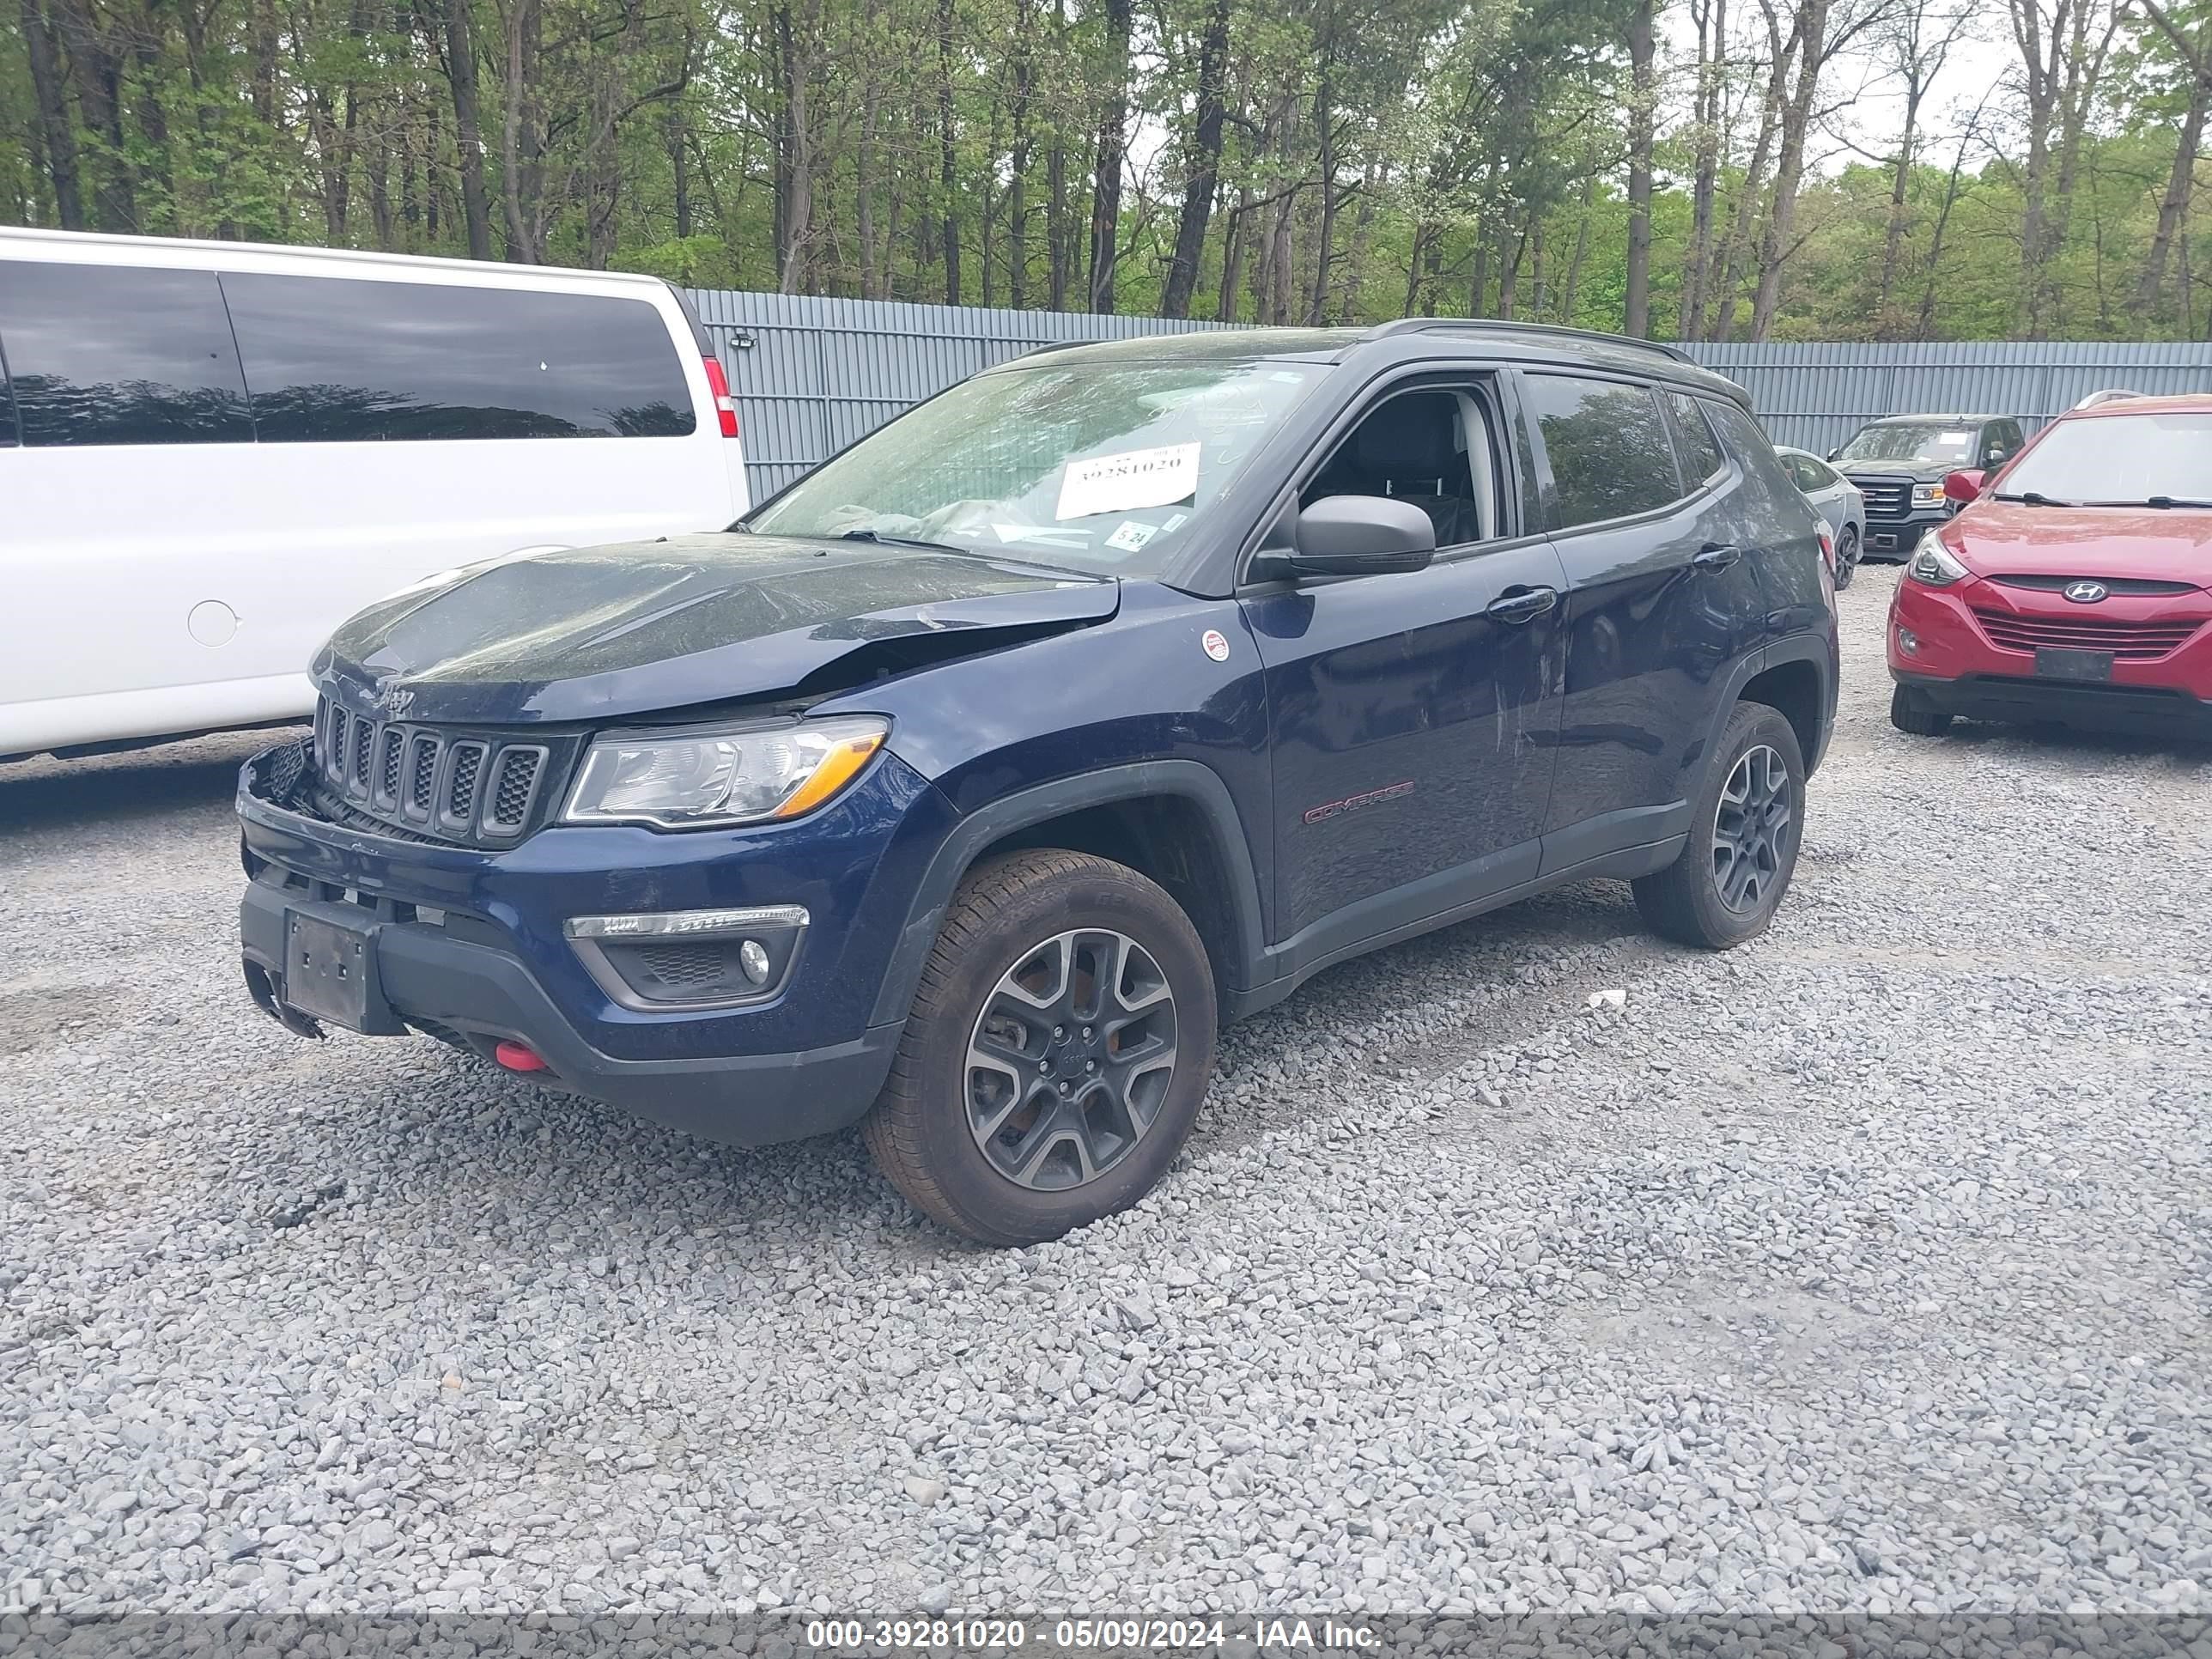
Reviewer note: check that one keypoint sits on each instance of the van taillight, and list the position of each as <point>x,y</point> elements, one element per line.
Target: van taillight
<point>725,407</point>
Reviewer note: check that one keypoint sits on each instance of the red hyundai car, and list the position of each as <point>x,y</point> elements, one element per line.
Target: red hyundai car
<point>2077,584</point>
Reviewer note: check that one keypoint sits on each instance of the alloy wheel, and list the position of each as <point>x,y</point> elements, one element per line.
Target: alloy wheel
<point>1750,828</point>
<point>1070,1058</point>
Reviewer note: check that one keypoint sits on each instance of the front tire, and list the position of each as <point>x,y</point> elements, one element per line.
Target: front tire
<point>1847,557</point>
<point>1058,1046</point>
<point>1743,841</point>
<point>1913,713</point>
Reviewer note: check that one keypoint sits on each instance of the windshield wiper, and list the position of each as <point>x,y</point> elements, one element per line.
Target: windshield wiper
<point>2168,500</point>
<point>881,540</point>
<point>2033,498</point>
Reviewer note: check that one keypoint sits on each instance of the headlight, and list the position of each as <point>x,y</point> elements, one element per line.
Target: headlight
<point>1928,494</point>
<point>691,780</point>
<point>1932,564</point>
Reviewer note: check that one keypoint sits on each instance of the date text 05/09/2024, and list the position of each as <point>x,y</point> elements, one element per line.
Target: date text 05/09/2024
<point>1162,1635</point>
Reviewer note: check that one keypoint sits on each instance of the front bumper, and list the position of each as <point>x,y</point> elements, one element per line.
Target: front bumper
<point>1895,538</point>
<point>1958,669</point>
<point>2148,712</point>
<point>469,946</point>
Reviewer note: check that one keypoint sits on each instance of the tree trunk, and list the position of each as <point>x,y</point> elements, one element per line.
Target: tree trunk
<point>1706,171</point>
<point>864,192</point>
<point>1892,241</point>
<point>794,169</point>
<point>2150,288</point>
<point>1113,148</point>
<point>1363,233</point>
<point>1324,117</point>
<point>98,79</point>
<point>1729,257</point>
<point>948,159</point>
<point>1226,307</point>
<point>1581,247</point>
<point>1017,160</point>
<point>1058,233</point>
<point>468,127</point>
<point>519,143</point>
<point>1636,318</point>
<point>1789,164</point>
<point>1202,167</point>
<point>57,134</point>
<point>1942,228</point>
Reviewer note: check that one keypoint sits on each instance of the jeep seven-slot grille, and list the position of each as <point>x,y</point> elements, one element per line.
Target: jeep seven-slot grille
<point>480,788</point>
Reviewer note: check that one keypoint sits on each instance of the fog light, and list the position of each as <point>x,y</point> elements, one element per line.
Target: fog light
<point>690,958</point>
<point>1908,642</point>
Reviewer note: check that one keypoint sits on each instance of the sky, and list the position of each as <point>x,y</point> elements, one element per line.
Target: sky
<point>1868,108</point>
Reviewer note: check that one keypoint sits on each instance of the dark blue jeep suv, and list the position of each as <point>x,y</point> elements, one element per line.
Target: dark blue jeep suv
<point>967,786</point>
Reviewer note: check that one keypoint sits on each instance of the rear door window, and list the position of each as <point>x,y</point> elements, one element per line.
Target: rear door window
<point>117,354</point>
<point>1609,449</point>
<point>341,360</point>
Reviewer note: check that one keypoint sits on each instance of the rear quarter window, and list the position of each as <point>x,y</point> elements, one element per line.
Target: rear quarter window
<point>334,360</point>
<point>1770,488</point>
<point>1609,449</point>
<point>114,355</point>
<point>1700,451</point>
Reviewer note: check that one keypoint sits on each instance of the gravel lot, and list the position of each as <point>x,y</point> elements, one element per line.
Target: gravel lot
<point>1866,1267</point>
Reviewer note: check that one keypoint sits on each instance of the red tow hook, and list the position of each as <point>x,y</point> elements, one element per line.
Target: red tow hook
<point>519,1057</point>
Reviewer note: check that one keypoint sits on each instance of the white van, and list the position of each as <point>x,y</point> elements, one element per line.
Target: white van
<point>211,453</point>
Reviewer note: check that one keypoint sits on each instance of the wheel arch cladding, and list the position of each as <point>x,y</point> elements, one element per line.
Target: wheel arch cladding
<point>1797,689</point>
<point>1171,821</point>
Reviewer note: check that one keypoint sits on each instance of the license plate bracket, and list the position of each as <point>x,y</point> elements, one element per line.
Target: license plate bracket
<point>2052,663</point>
<point>329,972</point>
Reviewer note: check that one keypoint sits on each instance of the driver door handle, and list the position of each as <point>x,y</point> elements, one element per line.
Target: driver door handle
<point>1521,604</point>
<point>1719,555</point>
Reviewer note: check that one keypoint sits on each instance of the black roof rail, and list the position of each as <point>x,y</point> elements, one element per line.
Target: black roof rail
<point>1499,326</point>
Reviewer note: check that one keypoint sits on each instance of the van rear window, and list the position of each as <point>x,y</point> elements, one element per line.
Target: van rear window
<point>341,360</point>
<point>113,355</point>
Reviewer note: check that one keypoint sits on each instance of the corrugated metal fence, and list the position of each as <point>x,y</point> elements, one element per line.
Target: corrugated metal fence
<point>811,375</point>
<point>1816,396</point>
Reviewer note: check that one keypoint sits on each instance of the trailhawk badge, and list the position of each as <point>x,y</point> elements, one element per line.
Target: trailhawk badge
<point>1216,646</point>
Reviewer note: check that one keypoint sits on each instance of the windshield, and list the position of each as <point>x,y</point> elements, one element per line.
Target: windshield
<point>1094,468</point>
<point>1932,444</point>
<point>2118,459</point>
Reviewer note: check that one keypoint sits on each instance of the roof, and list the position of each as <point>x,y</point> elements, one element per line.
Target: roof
<point>1945,420</point>
<point>1476,337</point>
<point>361,261</point>
<point>2185,402</point>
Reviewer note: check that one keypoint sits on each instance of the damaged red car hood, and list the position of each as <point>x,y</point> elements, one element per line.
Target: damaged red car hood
<point>646,628</point>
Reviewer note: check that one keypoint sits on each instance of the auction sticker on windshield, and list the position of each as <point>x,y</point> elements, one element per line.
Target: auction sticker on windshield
<point>1132,479</point>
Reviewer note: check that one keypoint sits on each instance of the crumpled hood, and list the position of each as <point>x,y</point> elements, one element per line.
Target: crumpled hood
<point>2014,538</point>
<point>637,628</point>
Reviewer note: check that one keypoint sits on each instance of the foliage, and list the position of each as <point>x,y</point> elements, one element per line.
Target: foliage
<point>1309,160</point>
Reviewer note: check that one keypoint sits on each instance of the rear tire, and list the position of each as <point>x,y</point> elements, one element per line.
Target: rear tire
<point>1847,557</point>
<point>1910,711</point>
<point>1058,1046</point>
<point>1743,840</point>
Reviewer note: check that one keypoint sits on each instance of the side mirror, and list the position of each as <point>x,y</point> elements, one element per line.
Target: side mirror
<point>1834,453</point>
<point>1995,455</point>
<point>1965,486</point>
<point>1361,536</point>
